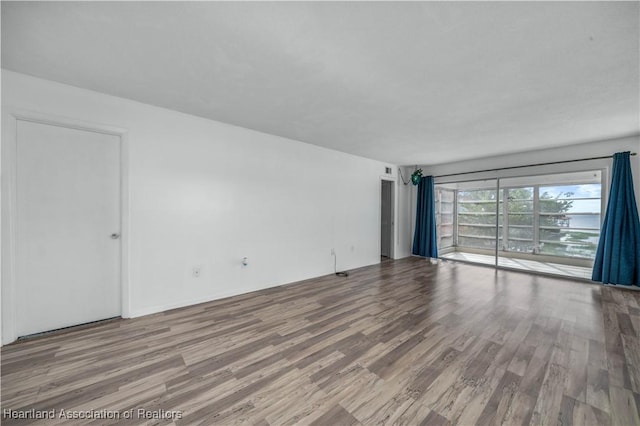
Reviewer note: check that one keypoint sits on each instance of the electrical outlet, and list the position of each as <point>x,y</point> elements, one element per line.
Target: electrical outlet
<point>333,252</point>
<point>196,271</point>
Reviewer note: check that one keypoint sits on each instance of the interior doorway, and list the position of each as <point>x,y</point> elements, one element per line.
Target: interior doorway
<point>386,219</point>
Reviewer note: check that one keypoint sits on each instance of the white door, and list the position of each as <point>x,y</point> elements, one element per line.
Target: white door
<point>68,207</point>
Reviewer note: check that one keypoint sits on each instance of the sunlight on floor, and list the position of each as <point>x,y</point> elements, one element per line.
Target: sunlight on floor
<point>526,265</point>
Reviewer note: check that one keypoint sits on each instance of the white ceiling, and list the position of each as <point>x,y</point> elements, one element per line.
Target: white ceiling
<point>407,83</point>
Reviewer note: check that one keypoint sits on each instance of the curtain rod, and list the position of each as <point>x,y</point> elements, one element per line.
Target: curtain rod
<point>529,165</point>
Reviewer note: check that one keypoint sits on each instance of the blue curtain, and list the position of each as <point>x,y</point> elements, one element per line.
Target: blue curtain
<point>618,256</point>
<point>424,240</point>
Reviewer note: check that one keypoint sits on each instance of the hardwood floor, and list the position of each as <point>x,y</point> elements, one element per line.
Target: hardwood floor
<point>404,342</point>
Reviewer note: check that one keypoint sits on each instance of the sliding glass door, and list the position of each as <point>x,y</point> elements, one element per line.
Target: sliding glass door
<point>547,223</point>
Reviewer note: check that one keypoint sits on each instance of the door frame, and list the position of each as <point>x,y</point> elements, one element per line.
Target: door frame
<point>10,216</point>
<point>394,215</point>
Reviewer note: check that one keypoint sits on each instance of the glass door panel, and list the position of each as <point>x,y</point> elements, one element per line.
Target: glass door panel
<point>518,219</point>
<point>570,220</point>
<point>445,204</point>
<point>551,222</point>
<point>466,218</point>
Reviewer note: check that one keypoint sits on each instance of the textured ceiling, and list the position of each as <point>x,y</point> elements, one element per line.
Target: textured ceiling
<point>403,82</point>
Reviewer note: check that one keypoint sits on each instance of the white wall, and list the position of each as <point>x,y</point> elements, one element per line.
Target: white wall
<point>406,197</point>
<point>207,193</point>
<point>570,152</point>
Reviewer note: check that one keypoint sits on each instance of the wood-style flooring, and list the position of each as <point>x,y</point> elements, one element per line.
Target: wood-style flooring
<point>403,342</point>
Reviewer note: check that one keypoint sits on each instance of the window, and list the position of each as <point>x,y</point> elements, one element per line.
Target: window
<point>477,218</point>
<point>445,201</point>
<point>570,220</point>
<point>518,219</point>
<point>552,215</point>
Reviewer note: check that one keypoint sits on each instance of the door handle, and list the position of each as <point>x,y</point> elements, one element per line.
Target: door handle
<point>115,236</point>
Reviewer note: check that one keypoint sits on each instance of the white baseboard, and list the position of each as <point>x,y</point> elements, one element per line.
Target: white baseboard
<point>150,310</point>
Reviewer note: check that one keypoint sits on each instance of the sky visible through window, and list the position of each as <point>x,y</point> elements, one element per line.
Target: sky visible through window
<point>590,190</point>
<point>571,192</point>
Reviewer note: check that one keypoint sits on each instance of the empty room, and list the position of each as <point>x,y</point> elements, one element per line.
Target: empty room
<point>320,213</point>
